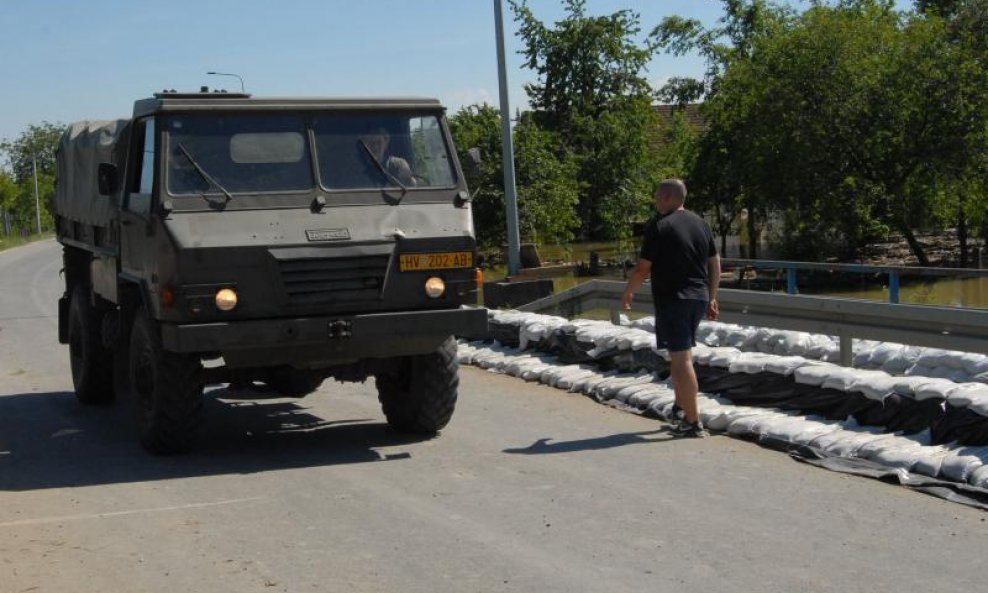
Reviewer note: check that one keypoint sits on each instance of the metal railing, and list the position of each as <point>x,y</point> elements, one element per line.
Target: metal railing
<point>894,273</point>
<point>917,325</point>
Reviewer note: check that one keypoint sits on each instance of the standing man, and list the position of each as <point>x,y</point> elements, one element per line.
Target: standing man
<point>680,255</point>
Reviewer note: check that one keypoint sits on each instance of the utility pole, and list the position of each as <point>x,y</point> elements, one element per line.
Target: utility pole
<point>37,202</point>
<point>507,151</point>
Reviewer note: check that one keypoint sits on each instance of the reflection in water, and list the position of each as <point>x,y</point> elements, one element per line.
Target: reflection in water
<point>946,292</point>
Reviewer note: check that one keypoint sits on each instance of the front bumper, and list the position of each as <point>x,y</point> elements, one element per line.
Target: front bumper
<point>318,341</point>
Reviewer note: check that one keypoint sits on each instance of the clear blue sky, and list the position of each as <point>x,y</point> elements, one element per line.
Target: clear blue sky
<point>66,60</point>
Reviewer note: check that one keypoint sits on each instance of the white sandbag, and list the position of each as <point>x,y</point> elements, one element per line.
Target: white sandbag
<point>840,378</point>
<point>960,463</point>
<point>862,352</point>
<point>787,428</point>
<point>898,453</point>
<point>609,388</point>
<point>792,343</point>
<point>736,336</point>
<point>934,388</point>
<point>820,346</point>
<point>813,375</point>
<point>644,397</point>
<point>882,353</point>
<point>975,364</point>
<point>723,356</point>
<point>929,460</point>
<point>587,384</point>
<point>785,365</point>
<point>758,341</point>
<point>963,395</point>
<point>731,414</point>
<point>934,357</point>
<point>753,425</point>
<point>876,385</point>
<point>659,406</point>
<point>849,445</point>
<point>749,362</point>
<point>552,376</point>
<point>979,477</point>
<point>906,386</point>
<point>815,429</point>
<point>622,394</point>
<point>565,380</point>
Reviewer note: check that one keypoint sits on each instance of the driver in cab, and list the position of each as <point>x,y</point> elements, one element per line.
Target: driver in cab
<point>395,168</point>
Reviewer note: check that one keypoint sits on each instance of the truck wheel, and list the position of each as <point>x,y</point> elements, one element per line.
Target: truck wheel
<point>420,395</point>
<point>292,382</point>
<point>92,364</point>
<point>167,391</point>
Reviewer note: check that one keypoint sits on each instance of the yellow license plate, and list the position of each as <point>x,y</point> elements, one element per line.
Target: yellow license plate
<point>435,261</point>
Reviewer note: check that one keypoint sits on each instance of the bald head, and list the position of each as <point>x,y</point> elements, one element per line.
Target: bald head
<point>670,195</point>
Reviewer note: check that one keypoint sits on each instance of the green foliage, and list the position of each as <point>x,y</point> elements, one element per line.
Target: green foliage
<point>545,179</point>
<point>592,96</point>
<point>38,144</point>
<point>850,119</point>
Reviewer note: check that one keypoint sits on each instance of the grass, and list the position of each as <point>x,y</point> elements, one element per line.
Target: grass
<point>17,240</point>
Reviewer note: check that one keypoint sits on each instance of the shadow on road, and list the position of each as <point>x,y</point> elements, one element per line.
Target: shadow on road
<point>49,440</point>
<point>544,446</point>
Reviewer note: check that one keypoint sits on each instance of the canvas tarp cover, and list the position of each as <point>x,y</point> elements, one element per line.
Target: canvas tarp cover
<point>83,146</point>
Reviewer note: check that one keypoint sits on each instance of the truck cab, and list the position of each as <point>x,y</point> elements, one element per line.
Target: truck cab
<point>285,240</point>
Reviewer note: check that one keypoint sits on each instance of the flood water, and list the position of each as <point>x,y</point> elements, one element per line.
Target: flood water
<point>944,292</point>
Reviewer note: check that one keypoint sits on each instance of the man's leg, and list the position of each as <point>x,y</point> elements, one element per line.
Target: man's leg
<point>684,383</point>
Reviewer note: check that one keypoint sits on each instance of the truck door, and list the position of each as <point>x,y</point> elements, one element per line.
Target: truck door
<point>136,229</point>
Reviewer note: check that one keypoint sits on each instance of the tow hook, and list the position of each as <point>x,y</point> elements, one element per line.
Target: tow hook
<point>339,329</point>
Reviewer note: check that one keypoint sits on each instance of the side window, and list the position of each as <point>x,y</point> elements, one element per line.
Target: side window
<point>139,200</point>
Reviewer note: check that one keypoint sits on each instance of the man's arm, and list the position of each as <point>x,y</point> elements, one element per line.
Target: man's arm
<point>713,282</point>
<point>638,275</point>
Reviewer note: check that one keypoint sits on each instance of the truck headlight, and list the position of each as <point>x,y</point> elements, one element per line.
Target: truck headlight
<point>435,287</point>
<point>226,299</point>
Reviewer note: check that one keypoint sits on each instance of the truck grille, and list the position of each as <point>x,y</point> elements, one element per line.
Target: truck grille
<point>323,281</point>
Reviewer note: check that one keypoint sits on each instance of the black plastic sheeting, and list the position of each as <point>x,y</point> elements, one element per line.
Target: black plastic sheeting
<point>895,413</point>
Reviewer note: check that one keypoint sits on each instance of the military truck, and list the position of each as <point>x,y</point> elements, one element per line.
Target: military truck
<point>218,238</point>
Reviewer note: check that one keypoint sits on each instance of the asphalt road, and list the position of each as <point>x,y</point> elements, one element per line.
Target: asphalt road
<point>528,490</point>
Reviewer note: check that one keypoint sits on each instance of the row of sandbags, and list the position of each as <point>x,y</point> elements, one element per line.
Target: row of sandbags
<point>895,359</point>
<point>837,438</point>
<point>950,411</point>
<point>523,328</point>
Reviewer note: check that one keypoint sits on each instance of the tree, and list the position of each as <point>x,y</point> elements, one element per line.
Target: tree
<point>592,95</point>
<point>850,118</point>
<point>545,177</point>
<point>38,144</point>
<point>719,174</point>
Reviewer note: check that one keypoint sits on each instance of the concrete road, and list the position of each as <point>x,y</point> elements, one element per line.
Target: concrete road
<point>528,490</point>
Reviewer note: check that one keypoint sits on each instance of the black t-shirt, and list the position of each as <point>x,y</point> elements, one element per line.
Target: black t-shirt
<point>678,245</point>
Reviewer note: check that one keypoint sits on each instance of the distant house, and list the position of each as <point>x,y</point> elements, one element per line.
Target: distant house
<point>690,113</point>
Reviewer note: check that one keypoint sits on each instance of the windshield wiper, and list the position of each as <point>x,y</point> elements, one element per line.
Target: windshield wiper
<point>380,167</point>
<point>202,172</point>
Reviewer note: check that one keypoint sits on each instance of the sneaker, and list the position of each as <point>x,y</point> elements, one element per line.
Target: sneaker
<point>677,417</point>
<point>690,430</point>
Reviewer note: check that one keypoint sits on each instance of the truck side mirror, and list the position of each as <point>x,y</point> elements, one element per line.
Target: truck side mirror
<point>107,179</point>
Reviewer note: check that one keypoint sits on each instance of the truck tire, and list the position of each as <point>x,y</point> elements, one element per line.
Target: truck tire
<point>167,391</point>
<point>292,382</point>
<point>92,364</point>
<point>420,395</point>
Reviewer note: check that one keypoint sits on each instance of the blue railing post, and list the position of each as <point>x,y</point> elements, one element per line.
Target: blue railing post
<point>894,286</point>
<point>791,280</point>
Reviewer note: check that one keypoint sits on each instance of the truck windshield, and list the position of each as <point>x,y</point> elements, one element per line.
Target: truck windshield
<point>243,153</point>
<point>368,151</point>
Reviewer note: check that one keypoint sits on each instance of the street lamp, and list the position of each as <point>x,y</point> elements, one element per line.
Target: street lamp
<point>237,76</point>
<point>507,150</point>
<point>37,202</point>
